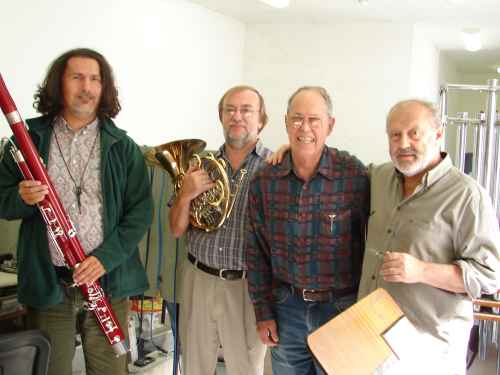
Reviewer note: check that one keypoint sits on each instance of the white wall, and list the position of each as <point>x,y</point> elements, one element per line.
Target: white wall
<point>424,68</point>
<point>172,59</point>
<point>449,73</point>
<point>364,66</point>
<point>448,70</point>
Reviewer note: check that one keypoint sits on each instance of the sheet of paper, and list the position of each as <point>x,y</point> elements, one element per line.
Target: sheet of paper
<point>404,339</point>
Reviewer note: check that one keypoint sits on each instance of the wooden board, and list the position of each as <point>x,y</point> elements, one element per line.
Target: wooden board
<point>352,342</point>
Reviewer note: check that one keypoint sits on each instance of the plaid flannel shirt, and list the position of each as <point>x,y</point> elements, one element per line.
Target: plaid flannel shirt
<point>307,234</point>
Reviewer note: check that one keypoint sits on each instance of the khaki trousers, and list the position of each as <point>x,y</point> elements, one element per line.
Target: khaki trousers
<point>59,323</point>
<point>217,312</point>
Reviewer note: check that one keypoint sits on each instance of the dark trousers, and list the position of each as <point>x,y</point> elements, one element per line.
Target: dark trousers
<point>60,322</point>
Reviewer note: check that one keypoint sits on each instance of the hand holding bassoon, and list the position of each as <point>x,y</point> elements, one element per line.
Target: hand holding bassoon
<point>61,230</point>
<point>32,192</point>
<point>90,270</point>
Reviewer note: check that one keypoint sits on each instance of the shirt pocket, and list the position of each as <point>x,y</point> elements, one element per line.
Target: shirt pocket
<point>420,224</point>
<point>421,236</point>
<point>335,224</point>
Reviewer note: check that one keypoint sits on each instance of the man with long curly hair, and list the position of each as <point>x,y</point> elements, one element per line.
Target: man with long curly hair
<point>101,178</point>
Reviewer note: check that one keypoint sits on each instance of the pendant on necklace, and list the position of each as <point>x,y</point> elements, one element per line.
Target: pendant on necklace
<point>78,192</point>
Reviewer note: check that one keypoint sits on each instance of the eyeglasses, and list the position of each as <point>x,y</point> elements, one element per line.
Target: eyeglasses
<point>298,121</point>
<point>244,112</point>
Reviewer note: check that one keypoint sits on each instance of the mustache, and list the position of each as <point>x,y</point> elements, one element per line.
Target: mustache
<point>237,125</point>
<point>86,95</point>
<point>406,152</point>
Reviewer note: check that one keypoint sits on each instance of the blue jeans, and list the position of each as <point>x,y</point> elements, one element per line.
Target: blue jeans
<point>296,319</point>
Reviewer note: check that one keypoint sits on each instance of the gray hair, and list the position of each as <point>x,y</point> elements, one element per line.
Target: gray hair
<point>320,90</point>
<point>432,109</point>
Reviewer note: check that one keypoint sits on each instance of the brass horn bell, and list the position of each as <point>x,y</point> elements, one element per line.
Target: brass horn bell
<point>211,208</point>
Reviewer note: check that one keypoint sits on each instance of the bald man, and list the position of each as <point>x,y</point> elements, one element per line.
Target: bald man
<point>433,239</point>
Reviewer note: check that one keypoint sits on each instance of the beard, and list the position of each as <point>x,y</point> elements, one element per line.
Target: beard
<point>85,104</point>
<point>237,142</point>
<point>410,169</point>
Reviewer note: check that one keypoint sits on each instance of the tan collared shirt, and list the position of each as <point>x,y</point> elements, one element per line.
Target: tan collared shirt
<point>76,148</point>
<point>448,219</point>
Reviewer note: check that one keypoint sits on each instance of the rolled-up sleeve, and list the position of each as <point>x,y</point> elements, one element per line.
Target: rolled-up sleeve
<point>478,246</point>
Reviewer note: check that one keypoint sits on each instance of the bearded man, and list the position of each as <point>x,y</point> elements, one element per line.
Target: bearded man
<point>215,307</point>
<point>433,238</point>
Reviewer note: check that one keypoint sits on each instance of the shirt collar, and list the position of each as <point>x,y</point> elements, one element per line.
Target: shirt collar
<point>258,150</point>
<point>61,124</point>
<point>439,170</point>
<point>325,167</point>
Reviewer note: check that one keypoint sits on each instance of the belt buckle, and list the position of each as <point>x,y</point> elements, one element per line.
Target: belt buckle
<point>304,291</point>
<point>221,271</point>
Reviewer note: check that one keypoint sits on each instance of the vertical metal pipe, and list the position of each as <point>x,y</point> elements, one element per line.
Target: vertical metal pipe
<point>461,140</point>
<point>496,176</point>
<point>443,106</point>
<point>490,136</point>
<point>496,331</point>
<point>479,136</point>
<point>498,354</point>
<point>483,339</point>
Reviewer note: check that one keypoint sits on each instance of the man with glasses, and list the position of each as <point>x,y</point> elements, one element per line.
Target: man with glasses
<point>214,303</point>
<point>305,239</point>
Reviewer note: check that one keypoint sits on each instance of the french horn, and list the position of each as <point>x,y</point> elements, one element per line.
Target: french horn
<point>211,208</point>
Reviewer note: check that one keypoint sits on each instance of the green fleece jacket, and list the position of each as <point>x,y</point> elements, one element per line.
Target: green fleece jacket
<point>127,215</point>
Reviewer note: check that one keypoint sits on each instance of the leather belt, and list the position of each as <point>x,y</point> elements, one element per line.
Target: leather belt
<point>223,273</point>
<point>321,295</point>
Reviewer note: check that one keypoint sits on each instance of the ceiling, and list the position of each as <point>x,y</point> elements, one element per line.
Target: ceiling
<point>441,20</point>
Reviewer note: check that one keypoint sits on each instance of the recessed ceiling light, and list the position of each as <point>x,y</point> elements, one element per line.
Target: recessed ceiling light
<point>277,3</point>
<point>363,2</point>
<point>472,39</point>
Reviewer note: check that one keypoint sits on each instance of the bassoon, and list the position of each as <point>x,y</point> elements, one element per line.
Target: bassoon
<point>61,230</point>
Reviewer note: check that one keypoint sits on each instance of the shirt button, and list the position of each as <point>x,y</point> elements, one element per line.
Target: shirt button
<point>74,161</point>
<point>220,248</point>
<point>389,231</point>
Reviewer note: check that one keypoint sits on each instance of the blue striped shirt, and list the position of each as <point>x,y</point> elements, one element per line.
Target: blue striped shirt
<point>223,248</point>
